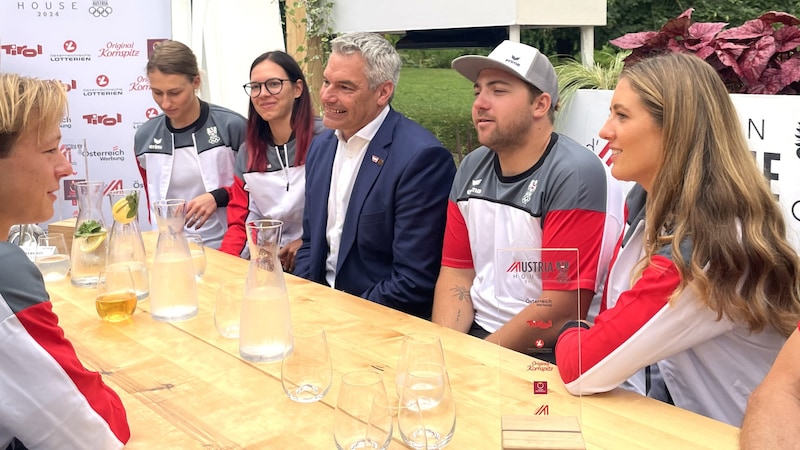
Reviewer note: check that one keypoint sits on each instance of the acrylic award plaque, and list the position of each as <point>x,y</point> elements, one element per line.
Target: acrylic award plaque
<point>536,291</point>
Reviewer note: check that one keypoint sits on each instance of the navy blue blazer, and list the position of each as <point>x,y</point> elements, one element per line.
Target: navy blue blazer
<point>391,247</point>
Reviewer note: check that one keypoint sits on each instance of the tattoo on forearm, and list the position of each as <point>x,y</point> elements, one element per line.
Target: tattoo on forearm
<point>458,316</point>
<point>462,293</point>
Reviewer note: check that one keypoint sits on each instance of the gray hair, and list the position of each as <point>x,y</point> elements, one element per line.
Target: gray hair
<point>381,60</point>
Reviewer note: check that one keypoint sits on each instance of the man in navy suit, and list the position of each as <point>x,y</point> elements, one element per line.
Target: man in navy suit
<point>376,185</point>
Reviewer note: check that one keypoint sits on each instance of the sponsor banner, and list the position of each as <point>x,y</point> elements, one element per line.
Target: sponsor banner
<point>90,47</point>
<point>771,124</point>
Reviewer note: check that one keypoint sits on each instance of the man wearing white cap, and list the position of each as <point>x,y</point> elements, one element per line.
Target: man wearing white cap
<point>527,187</point>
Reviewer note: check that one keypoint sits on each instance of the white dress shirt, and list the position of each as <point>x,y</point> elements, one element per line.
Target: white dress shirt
<point>346,163</point>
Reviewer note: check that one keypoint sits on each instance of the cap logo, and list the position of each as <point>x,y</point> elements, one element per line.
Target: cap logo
<point>513,60</point>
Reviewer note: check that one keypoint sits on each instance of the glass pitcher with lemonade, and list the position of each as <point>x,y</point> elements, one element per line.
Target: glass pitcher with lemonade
<point>89,243</point>
<point>125,244</point>
<point>173,288</point>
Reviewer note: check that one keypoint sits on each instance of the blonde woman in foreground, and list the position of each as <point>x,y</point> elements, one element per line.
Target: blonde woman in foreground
<point>48,400</point>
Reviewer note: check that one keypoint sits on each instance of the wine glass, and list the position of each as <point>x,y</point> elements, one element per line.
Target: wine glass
<point>306,369</point>
<point>52,256</point>
<point>198,252</point>
<point>426,389</point>
<point>116,294</point>
<point>356,425</point>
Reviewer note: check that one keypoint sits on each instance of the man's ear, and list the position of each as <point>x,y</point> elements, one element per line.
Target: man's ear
<point>541,105</point>
<point>385,91</point>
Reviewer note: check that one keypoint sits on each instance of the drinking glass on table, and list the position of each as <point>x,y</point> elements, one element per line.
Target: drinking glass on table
<point>52,256</point>
<point>427,416</point>
<point>356,426</point>
<point>306,370</point>
<point>116,293</point>
<point>417,348</point>
<point>198,252</point>
<point>228,307</point>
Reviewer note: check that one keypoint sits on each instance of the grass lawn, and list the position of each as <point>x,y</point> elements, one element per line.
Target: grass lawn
<point>441,101</point>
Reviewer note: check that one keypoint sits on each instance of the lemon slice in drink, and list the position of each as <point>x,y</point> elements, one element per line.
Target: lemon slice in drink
<point>92,242</point>
<point>124,209</point>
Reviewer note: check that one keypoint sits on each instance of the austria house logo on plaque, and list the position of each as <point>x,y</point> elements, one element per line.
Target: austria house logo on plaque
<point>536,290</point>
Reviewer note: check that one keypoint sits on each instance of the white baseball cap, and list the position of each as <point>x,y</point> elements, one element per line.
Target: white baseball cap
<point>524,61</point>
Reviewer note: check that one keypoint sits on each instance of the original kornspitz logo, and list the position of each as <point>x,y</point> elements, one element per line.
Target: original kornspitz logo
<point>118,50</point>
<point>100,8</point>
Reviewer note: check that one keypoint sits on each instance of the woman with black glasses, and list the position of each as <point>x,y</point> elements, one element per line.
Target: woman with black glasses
<point>270,177</point>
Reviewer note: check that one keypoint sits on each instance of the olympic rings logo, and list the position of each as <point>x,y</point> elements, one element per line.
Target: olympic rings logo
<point>101,11</point>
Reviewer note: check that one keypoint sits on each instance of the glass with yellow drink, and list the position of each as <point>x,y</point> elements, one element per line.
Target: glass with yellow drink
<point>116,294</point>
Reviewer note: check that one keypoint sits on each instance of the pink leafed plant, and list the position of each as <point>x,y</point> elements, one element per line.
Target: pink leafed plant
<point>760,57</point>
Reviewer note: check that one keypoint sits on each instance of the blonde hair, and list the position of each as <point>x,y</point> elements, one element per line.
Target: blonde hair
<point>28,105</point>
<point>710,192</point>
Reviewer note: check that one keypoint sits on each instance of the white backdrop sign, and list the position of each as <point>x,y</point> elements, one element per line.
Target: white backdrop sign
<point>771,124</point>
<point>99,50</point>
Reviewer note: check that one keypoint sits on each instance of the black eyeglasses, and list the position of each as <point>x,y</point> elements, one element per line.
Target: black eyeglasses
<point>274,86</point>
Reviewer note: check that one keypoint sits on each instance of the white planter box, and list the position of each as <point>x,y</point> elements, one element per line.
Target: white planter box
<point>771,124</point>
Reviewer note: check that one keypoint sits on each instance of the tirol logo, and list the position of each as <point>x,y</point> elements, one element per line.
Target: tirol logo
<point>70,54</point>
<point>100,8</point>
<point>103,119</point>
<point>21,50</point>
<point>102,81</point>
<point>541,324</point>
<point>69,86</point>
<point>115,154</point>
<point>213,137</point>
<point>118,50</point>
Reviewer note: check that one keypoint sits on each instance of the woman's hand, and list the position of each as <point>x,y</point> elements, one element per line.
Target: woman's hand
<point>200,209</point>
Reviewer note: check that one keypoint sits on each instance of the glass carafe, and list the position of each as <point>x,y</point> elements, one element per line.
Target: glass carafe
<point>125,244</point>
<point>265,325</point>
<point>89,243</point>
<point>173,289</point>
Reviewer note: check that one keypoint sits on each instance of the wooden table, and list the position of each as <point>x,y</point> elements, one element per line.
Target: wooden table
<point>185,387</point>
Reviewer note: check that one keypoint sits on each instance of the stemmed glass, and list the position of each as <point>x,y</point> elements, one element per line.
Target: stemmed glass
<point>363,417</point>
<point>52,256</point>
